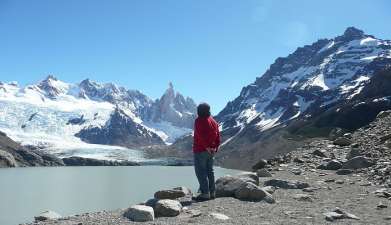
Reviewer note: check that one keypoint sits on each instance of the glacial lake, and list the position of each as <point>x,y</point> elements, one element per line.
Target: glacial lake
<point>26,192</point>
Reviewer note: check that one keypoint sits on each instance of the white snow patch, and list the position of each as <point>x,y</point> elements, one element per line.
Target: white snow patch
<point>369,42</point>
<point>329,45</point>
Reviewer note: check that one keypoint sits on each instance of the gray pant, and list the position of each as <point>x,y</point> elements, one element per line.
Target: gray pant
<point>203,165</point>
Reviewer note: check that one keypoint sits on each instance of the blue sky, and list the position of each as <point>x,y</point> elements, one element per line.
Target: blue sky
<point>209,49</point>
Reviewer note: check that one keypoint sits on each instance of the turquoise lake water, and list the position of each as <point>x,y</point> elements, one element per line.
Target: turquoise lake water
<point>25,192</point>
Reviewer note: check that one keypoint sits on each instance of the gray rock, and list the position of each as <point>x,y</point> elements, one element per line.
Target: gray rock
<point>319,153</point>
<point>381,206</point>
<point>173,193</point>
<point>250,192</point>
<point>7,160</point>
<point>310,189</point>
<point>303,197</point>
<point>227,185</point>
<point>342,141</point>
<point>263,173</point>
<point>297,171</point>
<point>286,184</point>
<point>354,152</point>
<point>140,213</point>
<point>185,201</point>
<point>339,214</point>
<point>339,181</point>
<point>260,164</point>
<point>357,162</point>
<point>331,165</point>
<point>347,135</point>
<point>219,216</point>
<point>269,199</point>
<point>168,208</point>
<point>151,202</point>
<point>298,160</point>
<point>47,215</point>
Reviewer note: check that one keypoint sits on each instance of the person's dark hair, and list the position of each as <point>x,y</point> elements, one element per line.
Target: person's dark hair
<point>203,110</point>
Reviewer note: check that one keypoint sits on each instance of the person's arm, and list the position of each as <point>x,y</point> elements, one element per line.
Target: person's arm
<point>217,141</point>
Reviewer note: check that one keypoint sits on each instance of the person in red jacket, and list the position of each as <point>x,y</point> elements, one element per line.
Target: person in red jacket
<point>205,145</point>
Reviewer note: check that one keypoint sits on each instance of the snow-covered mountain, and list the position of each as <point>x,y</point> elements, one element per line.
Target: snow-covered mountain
<point>314,76</point>
<point>341,82</point>
<point>57,114</point>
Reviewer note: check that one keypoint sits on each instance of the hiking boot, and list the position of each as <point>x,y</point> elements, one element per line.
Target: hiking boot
<point>201,197</point>
<point>213,195</point>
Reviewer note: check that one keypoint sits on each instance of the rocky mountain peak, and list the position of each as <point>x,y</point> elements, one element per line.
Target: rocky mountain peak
<point>174,108</point>
<point>52,87</point>
<point>351,33</point>
<point>50,77</point>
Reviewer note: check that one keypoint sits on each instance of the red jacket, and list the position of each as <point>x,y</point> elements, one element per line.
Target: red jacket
<point>206,134</point>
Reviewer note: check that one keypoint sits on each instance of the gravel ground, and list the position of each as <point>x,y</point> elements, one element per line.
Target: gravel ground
<point>353,196</point>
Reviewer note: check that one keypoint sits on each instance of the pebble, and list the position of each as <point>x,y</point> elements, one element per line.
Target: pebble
<point>219,216</point>
<point>381,206</point>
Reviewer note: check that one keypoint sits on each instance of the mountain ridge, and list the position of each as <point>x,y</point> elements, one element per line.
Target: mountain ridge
<point>89,104</point>
<point>307,94</point>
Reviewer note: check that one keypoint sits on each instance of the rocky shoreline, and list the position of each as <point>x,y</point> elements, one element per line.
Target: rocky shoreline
<point>313,197</point>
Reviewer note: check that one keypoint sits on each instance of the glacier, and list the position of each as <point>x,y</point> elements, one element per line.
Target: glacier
<point>42,114</point>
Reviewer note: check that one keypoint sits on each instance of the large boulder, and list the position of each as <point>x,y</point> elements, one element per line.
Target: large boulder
<point>47,215</point>
<point>181,194</point>
<point>7,160</point>
<point>250,192</point>
<point>140,213</point>
<point>342,141</point>
<point>227,185</point>
<point>286,184</point>
<point>357,162</point>
<point>260,164</point>
<point>168,208</point>
<point>174,193</point>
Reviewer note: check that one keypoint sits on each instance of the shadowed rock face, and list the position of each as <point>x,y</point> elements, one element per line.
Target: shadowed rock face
<point>79,161</point>
<point>12,154</point>
<point>120,130</point>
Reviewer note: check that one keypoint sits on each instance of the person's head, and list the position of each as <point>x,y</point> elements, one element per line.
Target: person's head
<point>203,110</point>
